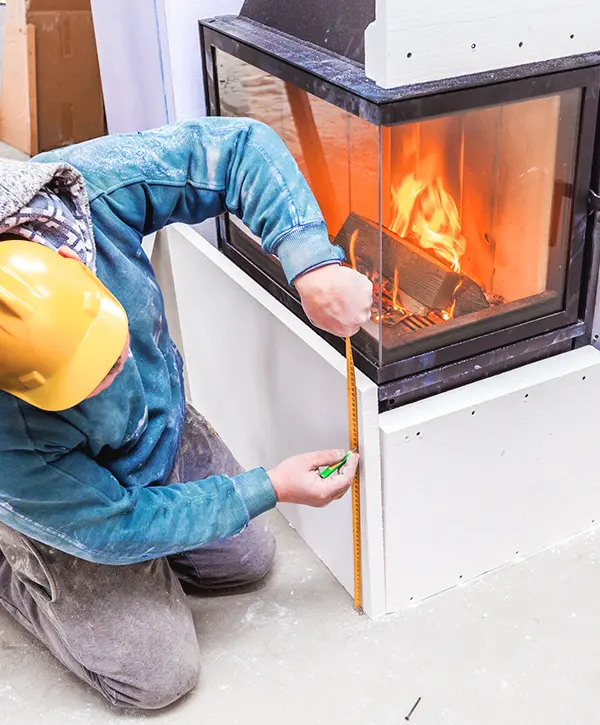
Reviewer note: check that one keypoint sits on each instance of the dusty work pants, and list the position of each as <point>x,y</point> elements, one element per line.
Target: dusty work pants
<point>127,630</point>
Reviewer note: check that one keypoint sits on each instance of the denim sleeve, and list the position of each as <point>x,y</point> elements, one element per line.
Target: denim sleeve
<point>66,500</point>
<point>191,171</point>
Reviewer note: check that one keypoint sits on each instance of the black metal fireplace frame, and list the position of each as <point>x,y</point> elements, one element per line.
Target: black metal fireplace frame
<point>344,84</point>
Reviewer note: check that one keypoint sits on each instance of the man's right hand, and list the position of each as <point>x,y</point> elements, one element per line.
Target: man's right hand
<point>336,299</point>
<point>297,479</point>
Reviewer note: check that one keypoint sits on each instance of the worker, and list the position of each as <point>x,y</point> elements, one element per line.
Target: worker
<point>114,491</point>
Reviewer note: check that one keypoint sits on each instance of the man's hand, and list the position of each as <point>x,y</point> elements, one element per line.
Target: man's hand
<point>336,299</point>
<point>297,479</point>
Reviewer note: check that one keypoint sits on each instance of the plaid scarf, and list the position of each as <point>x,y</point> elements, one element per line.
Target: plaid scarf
<point>58,214</point>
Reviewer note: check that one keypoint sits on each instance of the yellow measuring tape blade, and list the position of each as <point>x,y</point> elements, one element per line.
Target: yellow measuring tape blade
<point>353,428</point>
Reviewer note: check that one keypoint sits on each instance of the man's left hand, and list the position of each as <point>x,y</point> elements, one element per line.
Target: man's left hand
<point>337,299</point>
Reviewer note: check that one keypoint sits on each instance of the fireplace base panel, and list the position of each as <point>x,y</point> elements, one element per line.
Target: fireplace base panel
<point>453,486</point>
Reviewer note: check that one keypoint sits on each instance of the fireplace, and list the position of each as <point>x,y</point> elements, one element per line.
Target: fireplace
<point>466,201</point>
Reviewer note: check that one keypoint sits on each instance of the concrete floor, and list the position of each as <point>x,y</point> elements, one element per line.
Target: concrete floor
<point>518,646</point>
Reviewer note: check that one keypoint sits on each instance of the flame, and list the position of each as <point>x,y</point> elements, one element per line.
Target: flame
<point>352,249</point>
<point>426,213</point>
<point>448,313</point>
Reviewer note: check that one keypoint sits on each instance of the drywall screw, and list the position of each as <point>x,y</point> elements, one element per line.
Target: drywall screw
<point>414,707</point>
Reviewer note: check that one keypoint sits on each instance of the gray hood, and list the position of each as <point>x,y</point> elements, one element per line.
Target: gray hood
<point>48,204</point>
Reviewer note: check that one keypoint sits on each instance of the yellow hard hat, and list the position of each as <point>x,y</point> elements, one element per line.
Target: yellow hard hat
<point>61,330</point>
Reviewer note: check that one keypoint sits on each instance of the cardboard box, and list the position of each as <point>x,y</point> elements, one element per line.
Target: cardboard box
<point>18,124</point>
<point>51,49</point>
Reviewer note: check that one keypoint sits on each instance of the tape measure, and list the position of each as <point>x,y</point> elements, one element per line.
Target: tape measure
<point>353,428</point>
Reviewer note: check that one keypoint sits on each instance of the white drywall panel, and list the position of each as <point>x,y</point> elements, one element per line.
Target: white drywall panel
<point>184,47</point>
<point>429,40</point>
<point>496,470</point>
<point>150,59</point>
<point>134,64</point>
<point>273,388</point>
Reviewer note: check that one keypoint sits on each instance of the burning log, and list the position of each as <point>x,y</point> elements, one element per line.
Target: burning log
<point>424,282</point>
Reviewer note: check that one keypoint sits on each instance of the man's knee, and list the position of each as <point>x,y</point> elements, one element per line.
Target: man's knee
<point>184,678</point>
<point>234,562</point>
<point>176,675</point>
<point>156,659</point>
<point>257,561</point>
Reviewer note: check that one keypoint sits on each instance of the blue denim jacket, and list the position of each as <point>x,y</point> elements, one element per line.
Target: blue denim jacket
<point>92,481</point>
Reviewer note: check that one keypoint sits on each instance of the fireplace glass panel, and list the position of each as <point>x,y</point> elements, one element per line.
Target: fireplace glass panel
<point>462,222</point>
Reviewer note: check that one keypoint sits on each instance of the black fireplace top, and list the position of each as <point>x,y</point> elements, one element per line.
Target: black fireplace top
<point>336,25</point>
<point>342,81</point>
